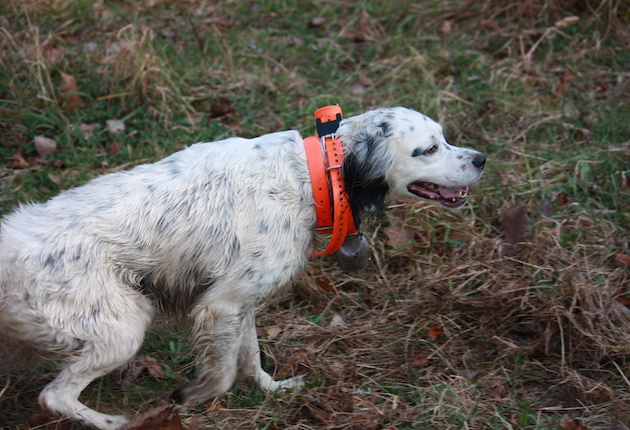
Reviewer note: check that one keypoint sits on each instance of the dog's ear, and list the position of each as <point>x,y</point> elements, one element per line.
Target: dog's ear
<point>367,160</point>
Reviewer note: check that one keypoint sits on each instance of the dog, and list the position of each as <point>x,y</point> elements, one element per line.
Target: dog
<point>205,236</point>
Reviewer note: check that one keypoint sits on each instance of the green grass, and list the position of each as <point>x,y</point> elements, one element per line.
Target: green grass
<point>554,125</point>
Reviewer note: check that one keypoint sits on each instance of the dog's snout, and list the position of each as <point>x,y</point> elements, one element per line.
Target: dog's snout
<point>479,161</point>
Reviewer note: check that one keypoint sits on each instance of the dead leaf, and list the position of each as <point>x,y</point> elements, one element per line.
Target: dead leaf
<point>115,148</point>
<point>623,259</point>
<point>45,146</point>
<point>295,362</point>
<point>70,92</point>
<point>398,234</point>
<point>566,21</point>
<point>446,27</point>
<point>317,21</point>
<point>568,423</point>
<point>420,362</point>
<point>115,126</point>
<point>224,107</point>
<point>56,179</point>
<point>337,322</point>
<point>624,300</point>
<point>273,332</point>
<point>163,417</point>
<point>325,285</point>
<point>313,413</point>
<point>89,129</point>
<point>364,80</point>
<point>141,363</point>
<point>515,225</point>
<point>435,332</point>
<point>17,161</point>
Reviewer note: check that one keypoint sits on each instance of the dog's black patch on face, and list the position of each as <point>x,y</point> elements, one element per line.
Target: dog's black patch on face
<point>416,152</point>
<point>366,185</point>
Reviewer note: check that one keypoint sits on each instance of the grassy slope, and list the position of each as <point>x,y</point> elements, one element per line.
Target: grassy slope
<point>453,329</point>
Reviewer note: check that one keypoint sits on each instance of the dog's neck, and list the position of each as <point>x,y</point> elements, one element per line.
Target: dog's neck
<point>334,215</point>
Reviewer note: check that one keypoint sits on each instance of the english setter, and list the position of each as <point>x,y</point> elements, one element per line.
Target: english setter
<point>206,235</point>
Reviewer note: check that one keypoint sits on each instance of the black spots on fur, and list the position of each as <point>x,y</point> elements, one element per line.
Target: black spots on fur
<point>171,165</point>
<point>460,157</point>
<point>386,128</point>
<point>164,223</point>
<point>78,344</point>
<point>416,152</point>
<point>286,225</point>
<point>448,147</point>
<point>263,227</point>
<point>52,261</point>
<point>412,129</point>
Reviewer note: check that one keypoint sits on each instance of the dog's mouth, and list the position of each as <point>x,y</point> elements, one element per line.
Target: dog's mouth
<point>450,197</point>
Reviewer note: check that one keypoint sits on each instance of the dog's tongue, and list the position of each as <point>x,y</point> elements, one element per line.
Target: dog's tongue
<point>452,193</point>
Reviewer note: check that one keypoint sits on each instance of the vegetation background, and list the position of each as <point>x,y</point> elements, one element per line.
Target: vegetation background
<point>511,313</point>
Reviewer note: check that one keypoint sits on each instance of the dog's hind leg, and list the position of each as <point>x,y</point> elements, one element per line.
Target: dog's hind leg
<point>250,366</point>
<point>114,336</point>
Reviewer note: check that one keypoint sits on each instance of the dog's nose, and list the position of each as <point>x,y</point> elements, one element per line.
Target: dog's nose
<point>479,160</point>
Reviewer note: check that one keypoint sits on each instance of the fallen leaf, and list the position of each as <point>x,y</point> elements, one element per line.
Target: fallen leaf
<point>420,362</point>
<point>317,21</point>
<point>141,363</point>
<point>163,417</point>
<point>115,126</point>
<point>624,300</point>
<point>446,27</point>
<point>45,146</point>
<point>17,161</point>
<point>398,234</point>
<point>56,179</point>
<point>325,285</point>
<point>568,423</point>
<point>224,107</point>
<point>623,259</point>
<point>89,129</point>
<point>114,148</point>
<point>337,322</point>
<point>295,361</point>
<point>515,225</point>
<point>566,21</point>
<point>435,332</point>
<point>70,92</point>
<point>313,413</point>
<point>273,332</point>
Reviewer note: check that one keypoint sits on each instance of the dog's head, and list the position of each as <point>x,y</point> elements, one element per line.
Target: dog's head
<point>401,153</point>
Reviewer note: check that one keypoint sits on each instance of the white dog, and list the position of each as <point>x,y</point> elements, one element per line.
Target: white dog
<point>204,235</point>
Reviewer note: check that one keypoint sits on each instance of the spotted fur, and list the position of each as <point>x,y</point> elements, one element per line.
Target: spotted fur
<point>205,235</point>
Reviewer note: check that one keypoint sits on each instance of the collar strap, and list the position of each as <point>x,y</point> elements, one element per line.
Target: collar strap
<point>334,215</point>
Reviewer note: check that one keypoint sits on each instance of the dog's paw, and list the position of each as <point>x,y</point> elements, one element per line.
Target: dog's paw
<point>296,383</point>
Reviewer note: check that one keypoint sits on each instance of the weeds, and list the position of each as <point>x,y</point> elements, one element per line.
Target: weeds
<point>457,325</point>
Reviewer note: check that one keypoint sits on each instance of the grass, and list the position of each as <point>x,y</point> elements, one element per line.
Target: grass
<point>454,328</point>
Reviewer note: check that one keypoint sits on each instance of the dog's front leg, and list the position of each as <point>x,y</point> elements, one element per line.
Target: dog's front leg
<point>217,334</point>
<point>249,361</point>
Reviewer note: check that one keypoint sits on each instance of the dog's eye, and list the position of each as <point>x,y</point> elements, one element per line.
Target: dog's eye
<point>431,150</point>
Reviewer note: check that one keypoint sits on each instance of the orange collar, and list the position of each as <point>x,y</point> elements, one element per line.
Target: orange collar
<point>327,181</point>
